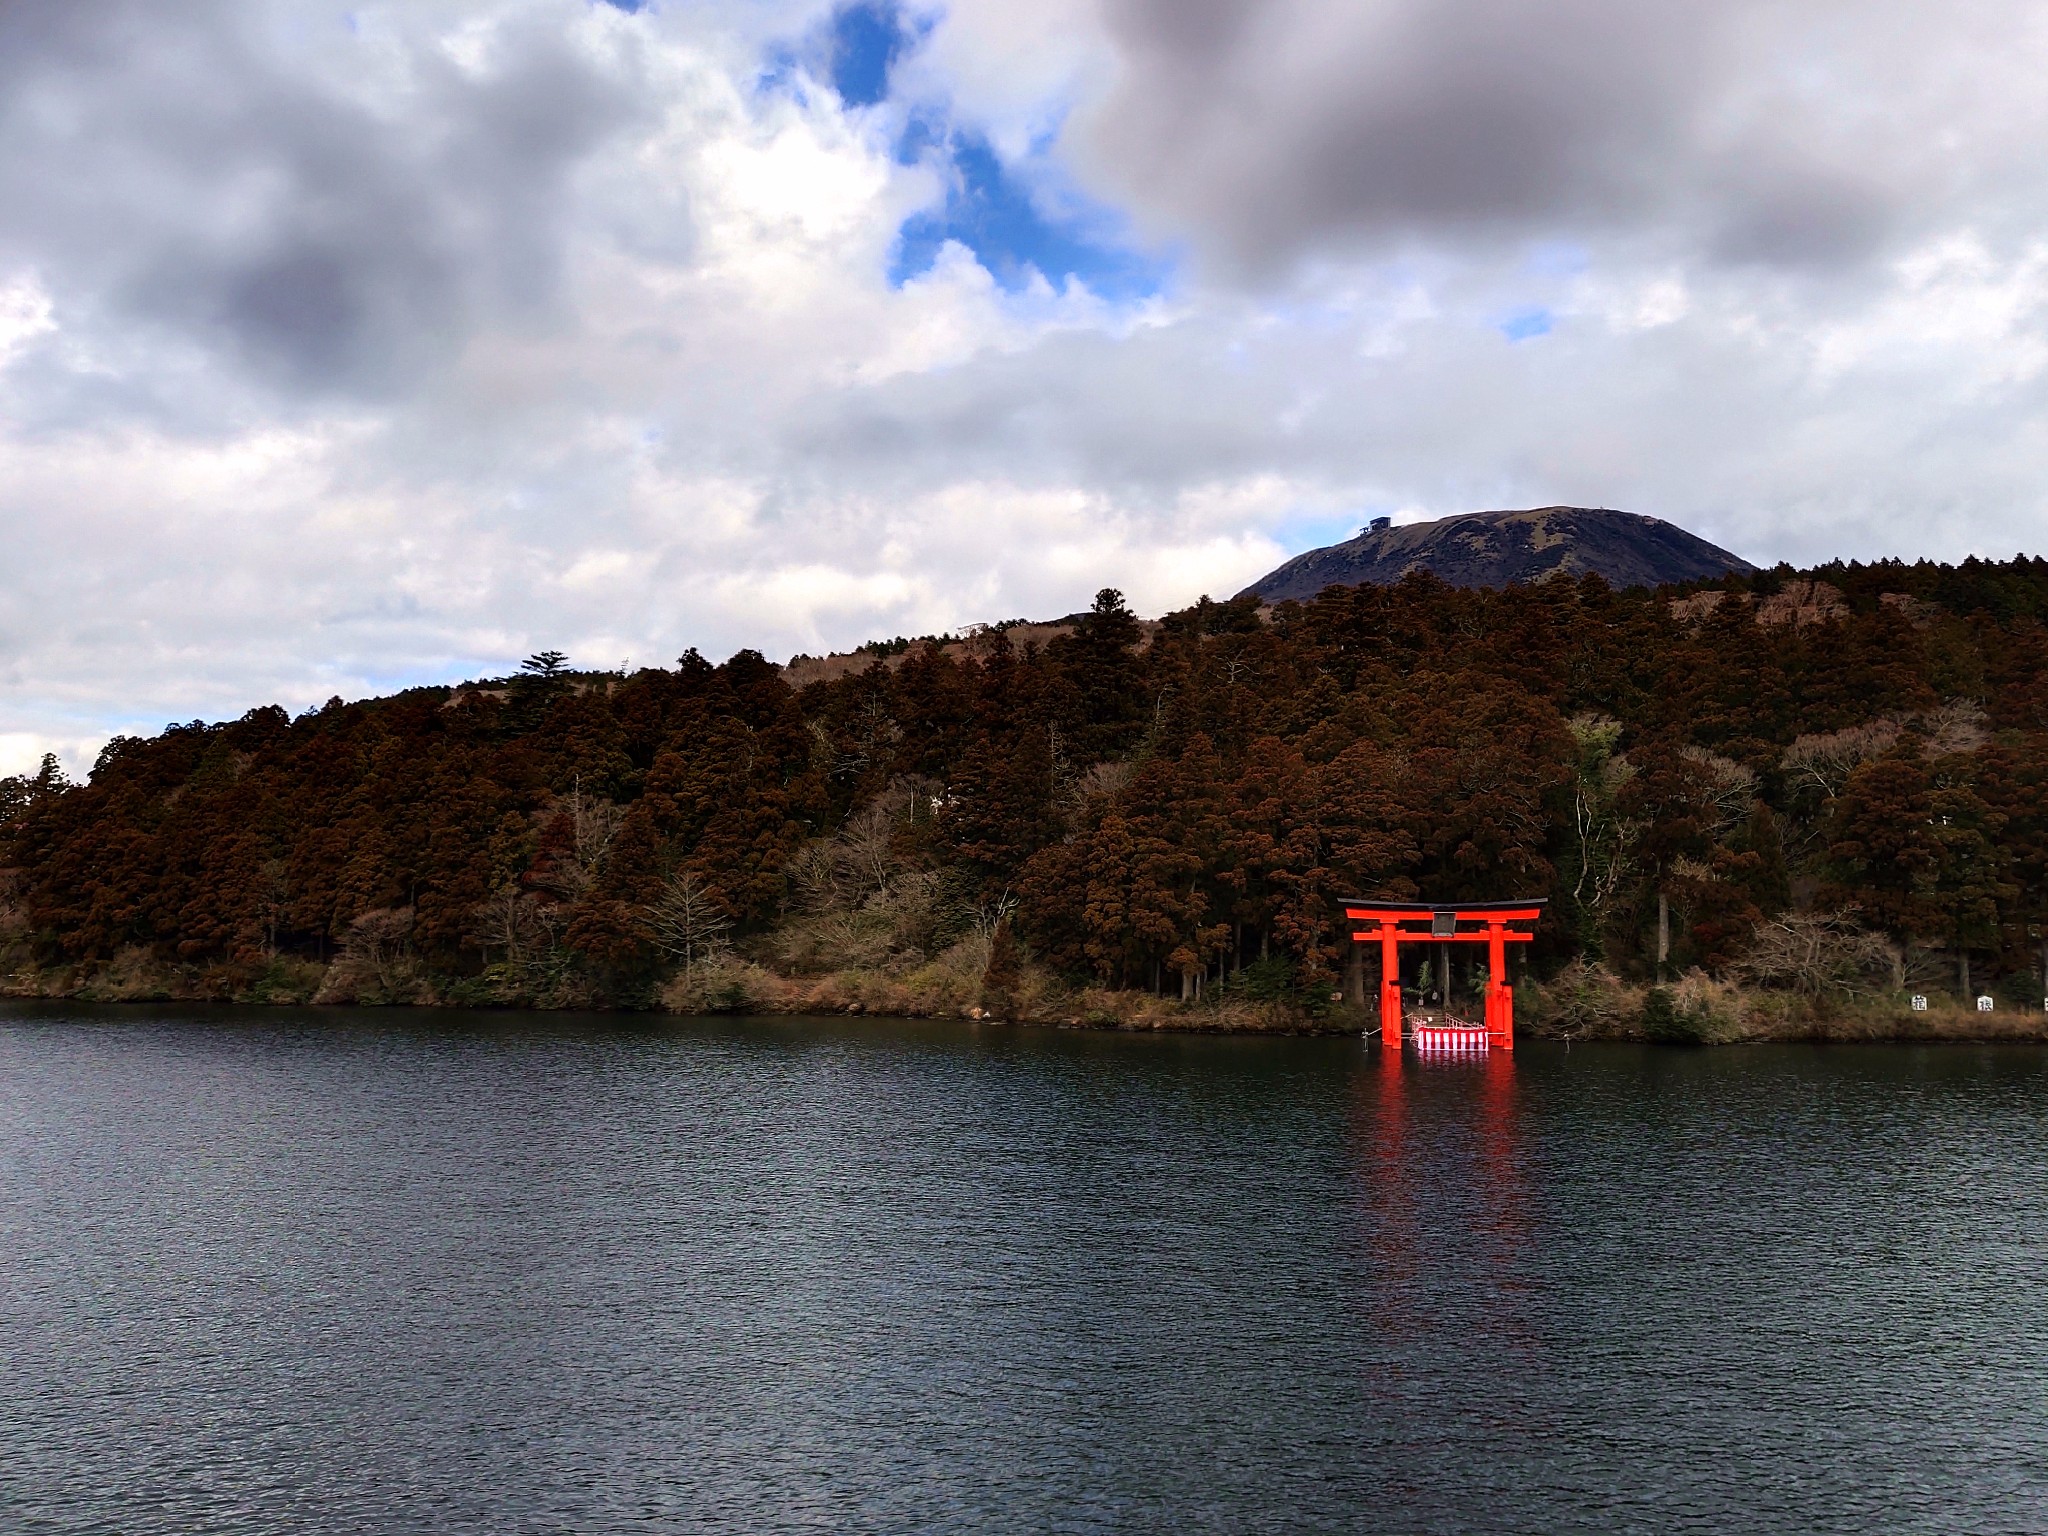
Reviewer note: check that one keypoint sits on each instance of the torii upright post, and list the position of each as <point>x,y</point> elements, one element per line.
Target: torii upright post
<point>1390,984</point>
<point>1500,997</point>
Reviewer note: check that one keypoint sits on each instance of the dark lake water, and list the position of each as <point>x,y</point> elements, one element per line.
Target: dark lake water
<point>386,1272</point>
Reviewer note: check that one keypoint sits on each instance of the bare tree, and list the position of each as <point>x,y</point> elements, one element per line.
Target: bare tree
<point>525,927</point>
<point>499,925</point>
<point>1606,839</point>
<point>866,845</point>
<point>1099,783</point>
<point>593,824</point>
<point>989,919</point>
<point>861,863</point>
<point>1729,790</point>
<point>1586,1000</point>
<point>1823,762</point>
<point>687,921</point>
<point>1820,954</point>
<point>378,947</point>
<point>1959,725</point>
<point>519,923</point>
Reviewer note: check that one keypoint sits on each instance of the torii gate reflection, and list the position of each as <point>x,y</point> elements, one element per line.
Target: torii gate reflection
<point>1415,1237</point>
<point>1391,924</point>
<point>1413,1244</point>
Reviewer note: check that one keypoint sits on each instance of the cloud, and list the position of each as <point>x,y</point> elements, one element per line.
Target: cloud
<point>348,348</point>
<point>1781,132</point>
<point>333,210</point>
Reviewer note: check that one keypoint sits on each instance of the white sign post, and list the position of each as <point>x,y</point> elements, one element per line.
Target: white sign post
<point>1919,1002</point>
<point>1983,1005</point>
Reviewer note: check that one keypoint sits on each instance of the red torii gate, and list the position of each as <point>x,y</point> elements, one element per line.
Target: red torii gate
<point>1391,924</point>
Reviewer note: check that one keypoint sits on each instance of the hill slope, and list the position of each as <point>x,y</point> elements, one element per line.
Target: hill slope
<point>1171,822</point>
<point>1496,549</point>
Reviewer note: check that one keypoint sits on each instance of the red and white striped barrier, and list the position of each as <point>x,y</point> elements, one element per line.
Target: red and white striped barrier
<point>1449,1040</point>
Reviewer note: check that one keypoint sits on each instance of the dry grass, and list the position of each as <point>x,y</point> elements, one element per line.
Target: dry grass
<point>1583,1002</point>
<point>1587,1002</point>
<point>1945,1019</point>
<point>950,987</point>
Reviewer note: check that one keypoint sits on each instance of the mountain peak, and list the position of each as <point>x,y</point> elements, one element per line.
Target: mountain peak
<point>1495,549</point>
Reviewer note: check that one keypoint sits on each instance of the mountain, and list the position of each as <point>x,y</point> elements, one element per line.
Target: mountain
<point>1495,549</point>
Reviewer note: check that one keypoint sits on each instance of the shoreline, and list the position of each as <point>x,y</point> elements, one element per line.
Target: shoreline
<point>1769,1020</point>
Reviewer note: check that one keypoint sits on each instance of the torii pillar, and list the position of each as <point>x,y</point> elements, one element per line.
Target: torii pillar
<point>1390,984</point>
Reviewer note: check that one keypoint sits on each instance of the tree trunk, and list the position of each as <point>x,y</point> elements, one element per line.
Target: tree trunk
<point>1963,972</point>
<point>1663,932</point>
<point>1354,976</point>
<point>1187,986</point>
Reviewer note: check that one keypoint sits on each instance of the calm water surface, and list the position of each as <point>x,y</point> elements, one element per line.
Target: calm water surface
<point>371,1272</point>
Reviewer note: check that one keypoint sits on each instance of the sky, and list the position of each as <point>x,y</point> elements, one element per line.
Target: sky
<point>350,347</point>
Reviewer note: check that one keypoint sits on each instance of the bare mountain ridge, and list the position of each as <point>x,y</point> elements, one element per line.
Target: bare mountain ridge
<point>1496,549</point>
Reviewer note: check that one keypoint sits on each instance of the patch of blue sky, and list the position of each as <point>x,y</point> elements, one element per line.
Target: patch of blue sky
<point>1526,324</point>
<point>864,41</point>
<point>1315,530</point>
<point>630,7</point>
<point>856,52</point>
<point>923,137</point>
<point>990,208</point>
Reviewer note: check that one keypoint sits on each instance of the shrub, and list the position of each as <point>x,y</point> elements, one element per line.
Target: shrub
<point>1584,1001</point>
<point>1666,1023</point>
<point>1270,980</point>
<point>1003,972</point>
<point>286,980</point>
<point>376,965</point>
<point>724,984</point>
<point>1715,1008</point>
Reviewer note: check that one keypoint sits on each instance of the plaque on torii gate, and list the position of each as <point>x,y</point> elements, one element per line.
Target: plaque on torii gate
<point>1496,924</point>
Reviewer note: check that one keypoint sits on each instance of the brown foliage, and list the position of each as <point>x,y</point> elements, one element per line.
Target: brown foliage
<point>1169,802</point>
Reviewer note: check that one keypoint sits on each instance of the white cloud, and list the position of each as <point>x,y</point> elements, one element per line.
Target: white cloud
<point>25,314</point>
<point>23,752</point>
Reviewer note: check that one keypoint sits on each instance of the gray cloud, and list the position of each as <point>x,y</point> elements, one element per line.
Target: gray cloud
<point>1736,130</point>
<point>196,168</point>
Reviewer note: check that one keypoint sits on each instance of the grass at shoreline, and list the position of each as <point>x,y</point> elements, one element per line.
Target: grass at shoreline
<point>1572,1006</point>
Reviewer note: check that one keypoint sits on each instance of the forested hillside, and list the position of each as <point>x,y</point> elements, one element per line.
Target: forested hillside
<point>1851,758</point>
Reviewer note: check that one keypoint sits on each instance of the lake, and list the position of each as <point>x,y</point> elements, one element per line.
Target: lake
<point>386,1271</point>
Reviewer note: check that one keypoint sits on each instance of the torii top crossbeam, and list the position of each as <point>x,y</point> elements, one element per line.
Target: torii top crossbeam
<point>1496,924</point>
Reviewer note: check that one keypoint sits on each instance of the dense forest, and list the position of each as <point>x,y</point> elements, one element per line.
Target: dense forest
<point>1797,779</point>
